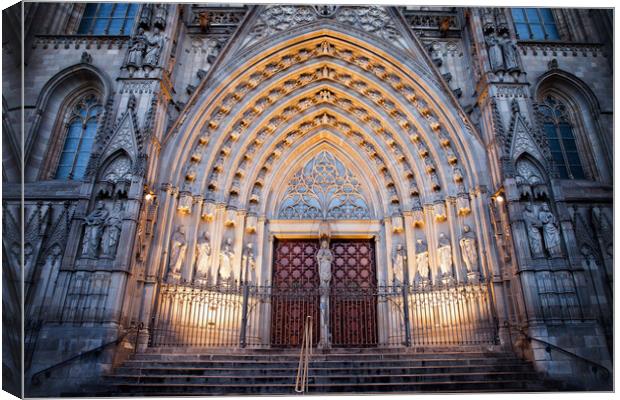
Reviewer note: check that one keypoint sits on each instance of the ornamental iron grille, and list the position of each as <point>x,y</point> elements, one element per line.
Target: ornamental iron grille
<point>324,189</point>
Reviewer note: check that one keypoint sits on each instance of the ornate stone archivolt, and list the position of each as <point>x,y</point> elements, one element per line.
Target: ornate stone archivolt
<point>324,189</point>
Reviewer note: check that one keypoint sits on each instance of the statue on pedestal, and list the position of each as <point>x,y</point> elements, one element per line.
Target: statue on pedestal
<point>155,43</point>
<point>225,270</point>
<point>399,264</point>
<point>444,254</point>
<point>137,47</point>
<point>94,230</point>
<point>551,232</point>
<point>111,232</point>
<point>494,50</point>
<point>324,258</point>
<point>532,228</point>
<point>422,265</point>
<point>249,262</point>
<point>178,247</point>
<point>203,251</point>
<point>469,250</point>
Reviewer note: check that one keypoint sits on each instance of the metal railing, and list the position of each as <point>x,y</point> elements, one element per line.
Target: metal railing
<point>301,380</point>
<point>264,316</point>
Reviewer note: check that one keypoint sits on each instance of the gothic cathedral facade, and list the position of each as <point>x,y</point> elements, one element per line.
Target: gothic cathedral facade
<point>211,175</point>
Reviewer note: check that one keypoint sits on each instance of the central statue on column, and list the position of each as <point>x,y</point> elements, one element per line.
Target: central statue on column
<point>324,258</point>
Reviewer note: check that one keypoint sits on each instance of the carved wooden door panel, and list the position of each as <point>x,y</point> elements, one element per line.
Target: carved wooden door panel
<point>353,301</point>
<point>295,295</point>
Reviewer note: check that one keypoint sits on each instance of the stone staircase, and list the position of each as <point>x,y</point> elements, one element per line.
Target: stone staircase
<point>178,372</point>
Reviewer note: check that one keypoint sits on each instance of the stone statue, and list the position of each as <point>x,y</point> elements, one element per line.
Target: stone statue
<point>495,53</point>
<point>398,264</point>
<point>469,250</point>
<point>225,271</point>
<point>509,51</point>
<point>111,232</point>
<point>444,254</point>
<point>532,227</point>
<point>325,257</point>
<point>145,16</point>
<point>154,47</point>
<point>421,250</point>
<point>178,247</point>
<point>137,47</point>
<point>250,264</point>
<point>94,230</point>
<point>551,232</point>
<point>159,18</point>
<point>203,251</point>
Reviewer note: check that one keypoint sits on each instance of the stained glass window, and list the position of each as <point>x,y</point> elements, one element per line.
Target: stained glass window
<point>81,130</point>
<point>534,24</point>
<point>561,139</point>
<point>108,19</point>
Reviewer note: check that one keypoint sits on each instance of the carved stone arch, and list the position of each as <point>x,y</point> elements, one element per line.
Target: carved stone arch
<point>531,178</point>
<point>11,148</point>
<point>337,117</point>
<point>523,140</point>
<point>437,152</point>
<point>583,107</point>
<point>371,185</point>
<point>115,173</point>
<point>451,119</point>
<point>383,160</point>
<point>55,95</point>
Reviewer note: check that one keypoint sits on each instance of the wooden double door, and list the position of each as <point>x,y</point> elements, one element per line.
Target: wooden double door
<point>295,294</point>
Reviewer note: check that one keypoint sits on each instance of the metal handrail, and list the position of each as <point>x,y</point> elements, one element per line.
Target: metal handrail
<point>35,377</point>
<point>594,364</point>
<point>301,381</point>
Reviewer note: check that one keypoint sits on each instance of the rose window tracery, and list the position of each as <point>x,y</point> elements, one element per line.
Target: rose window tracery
<point>324,188</point>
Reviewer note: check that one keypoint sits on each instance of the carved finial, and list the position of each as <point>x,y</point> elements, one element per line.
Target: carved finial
<point>86,58</point>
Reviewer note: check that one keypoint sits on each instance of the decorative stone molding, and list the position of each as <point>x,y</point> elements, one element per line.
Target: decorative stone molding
<point>79,41</point>
<point>531,48</point>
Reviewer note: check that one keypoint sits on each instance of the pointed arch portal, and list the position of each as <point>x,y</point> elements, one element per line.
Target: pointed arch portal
<point>325,123</point>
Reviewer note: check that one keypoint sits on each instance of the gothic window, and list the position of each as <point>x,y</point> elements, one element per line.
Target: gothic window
<point>80,128</point>
<point>534,24</point>
<point>561,139</point>
<point>324,188</point>
<point>108,19</point>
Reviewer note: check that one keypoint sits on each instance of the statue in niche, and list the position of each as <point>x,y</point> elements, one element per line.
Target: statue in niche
<point>495,53</point>
<point>249,263</point>
<point>137,47</point>
<point>399,260</point>
<point>551,232</point>
<point>324,258</point>
<point>532,227</point>
<point>203,251</point>
<point>154,43</point>
<point>444,254</point>
<point>111,232</point>
<point>509,51</point>
<point>159,18</point>
<point>421,257</point>
<point>225,270</point>
<point>145,16</point>
<point>178,247</point>
<point>469,250</point>
<point>94,230</point>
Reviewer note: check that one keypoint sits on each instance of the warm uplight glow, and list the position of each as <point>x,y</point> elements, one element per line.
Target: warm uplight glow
<point>148,197</point>
<point>500,198</point>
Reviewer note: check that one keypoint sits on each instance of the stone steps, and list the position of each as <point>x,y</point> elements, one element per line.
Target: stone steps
<point>166,372</point>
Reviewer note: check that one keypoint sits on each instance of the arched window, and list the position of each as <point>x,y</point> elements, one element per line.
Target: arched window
<point>534,24</point>
<point>81,128</point>
<point>108,19</point>
<point>561,138</point>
